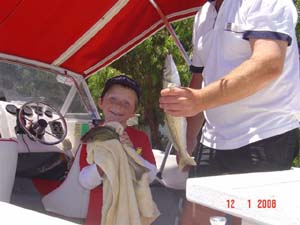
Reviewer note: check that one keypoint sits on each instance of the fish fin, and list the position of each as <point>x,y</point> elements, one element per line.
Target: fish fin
<point>184,161</point>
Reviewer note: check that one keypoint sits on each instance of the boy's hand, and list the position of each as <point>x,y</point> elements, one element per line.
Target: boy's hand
<point>125,140</point>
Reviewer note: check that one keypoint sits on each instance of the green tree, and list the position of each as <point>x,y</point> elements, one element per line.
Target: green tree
<point>145,64</point>
<point>297,3</point>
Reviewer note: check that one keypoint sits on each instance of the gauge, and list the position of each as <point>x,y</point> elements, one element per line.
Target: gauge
<point>38,110</point>
<point>12,109</point>
<point>49,113</point>
<point>27,111</point>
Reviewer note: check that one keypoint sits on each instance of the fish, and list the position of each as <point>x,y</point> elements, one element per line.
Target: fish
<point>177,126</point>
<point>100,133</point>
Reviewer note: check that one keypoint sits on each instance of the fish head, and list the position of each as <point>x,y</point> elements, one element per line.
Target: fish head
<point>100,133</point>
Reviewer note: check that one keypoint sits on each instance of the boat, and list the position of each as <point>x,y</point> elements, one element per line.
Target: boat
<point>47,51</point>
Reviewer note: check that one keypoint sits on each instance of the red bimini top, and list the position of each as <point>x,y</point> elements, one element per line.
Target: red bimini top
<point>83,36</point>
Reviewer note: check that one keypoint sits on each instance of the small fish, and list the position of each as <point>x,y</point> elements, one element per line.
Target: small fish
<point>176,125</point>
<point>100,133</point>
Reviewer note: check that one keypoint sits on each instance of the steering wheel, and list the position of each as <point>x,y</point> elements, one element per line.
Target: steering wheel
<point>42,122</point>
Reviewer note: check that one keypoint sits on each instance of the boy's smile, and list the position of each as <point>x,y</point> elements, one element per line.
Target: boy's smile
<point>118,104</point>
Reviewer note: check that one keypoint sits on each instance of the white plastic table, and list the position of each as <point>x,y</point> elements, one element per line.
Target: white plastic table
<point>258,198</point>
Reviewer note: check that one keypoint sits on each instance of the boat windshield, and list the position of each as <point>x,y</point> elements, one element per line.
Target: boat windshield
<point>21,83</point>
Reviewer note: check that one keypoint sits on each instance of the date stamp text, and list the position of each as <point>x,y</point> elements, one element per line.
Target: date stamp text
<point>259,203</point>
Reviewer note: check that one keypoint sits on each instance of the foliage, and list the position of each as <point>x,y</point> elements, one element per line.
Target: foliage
<point>145,64</point>
<point>297,2</point>
<point>296,162</point>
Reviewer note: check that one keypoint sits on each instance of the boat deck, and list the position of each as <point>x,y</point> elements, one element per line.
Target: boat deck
<point>168,201</point>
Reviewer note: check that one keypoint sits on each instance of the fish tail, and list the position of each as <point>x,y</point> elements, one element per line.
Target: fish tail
<point>184,161</point>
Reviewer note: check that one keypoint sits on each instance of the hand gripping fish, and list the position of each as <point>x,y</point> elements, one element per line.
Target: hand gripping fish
<point>176,125</point>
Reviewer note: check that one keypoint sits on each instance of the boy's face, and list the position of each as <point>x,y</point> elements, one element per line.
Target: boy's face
<point>118,104</point>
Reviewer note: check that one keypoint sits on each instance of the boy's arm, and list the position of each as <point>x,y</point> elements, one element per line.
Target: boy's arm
<point>91,176</point>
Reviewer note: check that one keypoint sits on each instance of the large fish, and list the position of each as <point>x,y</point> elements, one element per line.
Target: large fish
<point>176,125</point>
<point>100,133</point>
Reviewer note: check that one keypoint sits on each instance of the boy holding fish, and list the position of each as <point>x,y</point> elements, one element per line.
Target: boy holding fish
<point>118,101</point>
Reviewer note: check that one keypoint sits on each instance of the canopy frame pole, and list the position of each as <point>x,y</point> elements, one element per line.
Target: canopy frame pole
<point>172,32</point>
<point>168,150</point>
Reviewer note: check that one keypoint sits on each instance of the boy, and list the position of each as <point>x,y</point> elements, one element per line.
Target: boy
<point>118,101</point>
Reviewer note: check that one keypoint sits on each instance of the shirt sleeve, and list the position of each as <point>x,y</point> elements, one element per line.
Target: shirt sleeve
<point>202,31</point>
<point>270,19</point>
<point>197,63</point>
<point>89,177</point>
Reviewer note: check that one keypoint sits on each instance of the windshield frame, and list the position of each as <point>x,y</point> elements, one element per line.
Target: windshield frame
<point>77,81</point>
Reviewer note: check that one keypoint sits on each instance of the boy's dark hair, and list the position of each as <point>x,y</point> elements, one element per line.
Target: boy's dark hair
<point>124,81</point>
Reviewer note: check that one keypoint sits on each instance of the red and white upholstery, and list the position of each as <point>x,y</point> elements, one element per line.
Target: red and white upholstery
<point>8,165</point>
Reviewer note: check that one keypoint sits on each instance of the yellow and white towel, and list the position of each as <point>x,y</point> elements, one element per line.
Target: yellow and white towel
<point>127,198</point>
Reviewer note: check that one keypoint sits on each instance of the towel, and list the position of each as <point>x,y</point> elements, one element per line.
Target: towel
<point>127,198</point>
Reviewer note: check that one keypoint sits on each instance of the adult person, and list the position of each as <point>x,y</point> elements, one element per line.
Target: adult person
<point>119,101</point>
<point>246,85</point>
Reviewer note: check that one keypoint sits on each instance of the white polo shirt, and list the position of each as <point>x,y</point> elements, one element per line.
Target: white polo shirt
<point>221,44</point>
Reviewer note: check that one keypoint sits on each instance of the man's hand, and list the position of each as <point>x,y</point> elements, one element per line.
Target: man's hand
<point>180,101</point>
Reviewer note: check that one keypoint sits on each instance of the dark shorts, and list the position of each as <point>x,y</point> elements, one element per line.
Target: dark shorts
<point>271,154</point>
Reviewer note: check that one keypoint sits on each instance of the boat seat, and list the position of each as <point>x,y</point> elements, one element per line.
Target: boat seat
<point>70,198</point>
<point>8,165</point>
